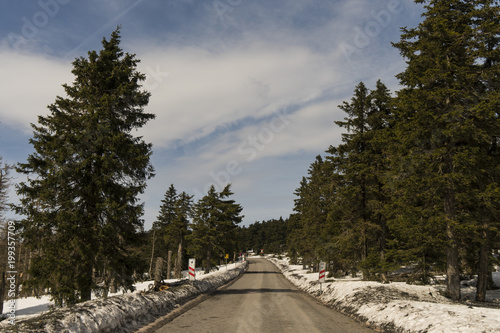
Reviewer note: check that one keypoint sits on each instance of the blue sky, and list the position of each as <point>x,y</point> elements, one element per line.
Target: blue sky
<point>244,91</point>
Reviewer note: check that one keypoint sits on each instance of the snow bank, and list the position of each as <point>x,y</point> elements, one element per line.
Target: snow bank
<point>120,313</point>
<point>394,307</point>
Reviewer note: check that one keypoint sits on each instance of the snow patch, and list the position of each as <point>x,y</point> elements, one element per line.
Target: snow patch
<point>120,313</point>
<point>396,307</point>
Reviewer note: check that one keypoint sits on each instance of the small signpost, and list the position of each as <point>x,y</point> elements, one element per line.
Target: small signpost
<point>322,274</point>
<point>192,269</point>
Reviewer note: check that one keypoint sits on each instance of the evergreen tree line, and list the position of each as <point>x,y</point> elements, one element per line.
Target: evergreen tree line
<point>266,236</point>
<point>415,180</point>
<point>205,230</point>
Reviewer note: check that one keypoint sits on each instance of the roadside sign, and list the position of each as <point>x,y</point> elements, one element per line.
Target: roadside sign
<point>322,272</point>
<point>227,256</point>
<point>192,269</point>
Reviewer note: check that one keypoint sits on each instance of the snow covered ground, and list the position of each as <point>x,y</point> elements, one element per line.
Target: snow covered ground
<point>398,307</point>
<point>119,312</point>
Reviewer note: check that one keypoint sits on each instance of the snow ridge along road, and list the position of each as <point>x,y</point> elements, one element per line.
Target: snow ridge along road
<point>121,313</point>
<point>397,307</point>
<point>262,300</point>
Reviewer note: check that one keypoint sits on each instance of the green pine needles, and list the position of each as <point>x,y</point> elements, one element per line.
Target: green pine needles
<point>416,178</point>
<point>80,199</point>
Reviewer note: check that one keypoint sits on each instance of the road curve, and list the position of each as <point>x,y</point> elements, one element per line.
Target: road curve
<point>262,300</point>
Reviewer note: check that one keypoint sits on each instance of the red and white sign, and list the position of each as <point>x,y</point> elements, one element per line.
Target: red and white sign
<point>192,269</point>
<point>322,272</point>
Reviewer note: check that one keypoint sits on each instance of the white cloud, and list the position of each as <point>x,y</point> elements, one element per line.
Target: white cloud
<point>29,83</point>
<point>204,90</point>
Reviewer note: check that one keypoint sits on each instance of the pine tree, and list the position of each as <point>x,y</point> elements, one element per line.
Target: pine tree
<point>311,211</point>
<point>80,198</point>
<point>442,123</point>
<point>362,160</point>
<point>165,240</point>
<point>214,225</point>
<point>171,226</point>
<point>486,40</point>
<point>380,137</point>
<point>355,150</point>
<point>180,227</point>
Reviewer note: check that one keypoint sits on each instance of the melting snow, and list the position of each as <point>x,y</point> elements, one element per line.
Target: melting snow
<point>398,306</point>
<point>117,313</point>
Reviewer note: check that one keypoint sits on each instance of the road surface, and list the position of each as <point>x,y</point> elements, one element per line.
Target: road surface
<point>262,300</point>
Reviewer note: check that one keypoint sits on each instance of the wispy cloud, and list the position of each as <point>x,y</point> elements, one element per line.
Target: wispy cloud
<point>204,91</point>
<point>29,83</point>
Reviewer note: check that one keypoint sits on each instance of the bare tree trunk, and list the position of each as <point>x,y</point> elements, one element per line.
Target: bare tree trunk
<point>383,245</point>
<point>158,271</point>
<point>169,264</point>
<point>105,290</point>
<point>483,273</point>
<point>86,285</point>
<point>18,265</point>
<point>207,262</point>
<point>152,252</point>
<point>452,259</point>
<point>113,288</point>
<point>178,263</point>
<point>27,259</point>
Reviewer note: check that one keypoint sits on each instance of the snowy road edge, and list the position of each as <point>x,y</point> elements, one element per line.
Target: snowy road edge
<point>121,313</point>
<point>395,307</point>
<point>347,310</point>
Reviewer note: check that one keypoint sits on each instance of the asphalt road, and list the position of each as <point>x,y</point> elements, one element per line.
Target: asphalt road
<point>262,300</point>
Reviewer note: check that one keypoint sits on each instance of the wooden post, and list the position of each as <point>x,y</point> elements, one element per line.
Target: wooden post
<point>113,286</point>
<point>158,270</point>
<point>178,263</point>
<point>152,251</point>
<point>169,264</point>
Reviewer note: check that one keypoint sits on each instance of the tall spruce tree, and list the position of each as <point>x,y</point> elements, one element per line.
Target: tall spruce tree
<point>311,213</point>
<point>180,227</point>
<point>362,160</point>
<point>446,112</point>
<point>355,168</point>
<point>486,51</point>
<point>166,240</point>
<point>80,198</point>
<point>172,224</point>
<point>215,219</point>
